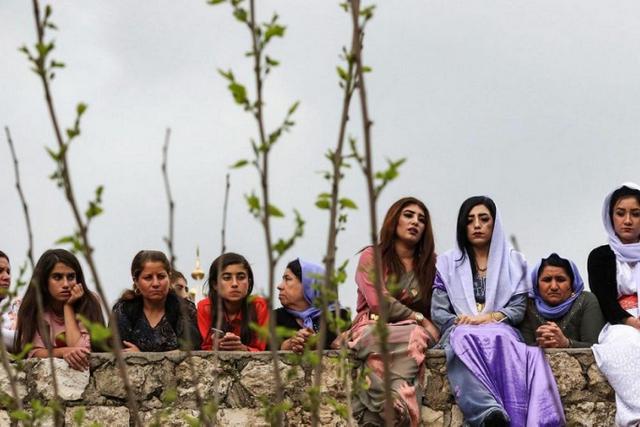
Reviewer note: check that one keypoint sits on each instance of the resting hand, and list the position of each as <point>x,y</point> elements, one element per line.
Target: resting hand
<point>77,358</point>
<point>231,342</point>
<point>550,335</point>
<point>77,291</point>
<point>478,319</point>
<point>296,343</point>
<point>432,332</point>
<point>632,321</point>
<point>130,347</point>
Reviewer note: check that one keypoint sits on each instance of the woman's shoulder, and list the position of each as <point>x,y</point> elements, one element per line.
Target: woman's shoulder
<point>259,302</point>
<point>204,304</point>
<point>589,299</point>
<point>603,252</point>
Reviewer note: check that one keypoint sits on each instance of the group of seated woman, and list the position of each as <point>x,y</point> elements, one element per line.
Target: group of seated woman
<point>479,302</point>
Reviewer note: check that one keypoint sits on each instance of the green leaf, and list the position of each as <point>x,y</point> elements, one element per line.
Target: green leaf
<point>239,164</point>
<point>348,203</point>
<point>275,212</point>
<point>240,14</point>
<point>293,108</point>
<point>273,30</point>
<point>271,62</point>
<point>226,74</point>
<point>323,204</point>
<point>81,108</point>
<point>214,2</point>
<point>239,92</point>
<point>342,73</point>
<point>78,415</point>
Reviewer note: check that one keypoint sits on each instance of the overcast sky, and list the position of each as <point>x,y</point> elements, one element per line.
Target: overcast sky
<point>533,103</point>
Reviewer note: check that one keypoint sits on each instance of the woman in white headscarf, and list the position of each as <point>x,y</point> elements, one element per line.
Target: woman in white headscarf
<point>480,293</point>
<point>614,277</point>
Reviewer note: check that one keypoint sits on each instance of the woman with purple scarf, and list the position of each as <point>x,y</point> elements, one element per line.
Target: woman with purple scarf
<point>300,296</point>
<point>614,276</point>
<point>560,314</point>
<point>479,294</point>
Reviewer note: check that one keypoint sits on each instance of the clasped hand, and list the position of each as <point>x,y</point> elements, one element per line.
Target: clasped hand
<point>296,343</point>
<point>549,335</point>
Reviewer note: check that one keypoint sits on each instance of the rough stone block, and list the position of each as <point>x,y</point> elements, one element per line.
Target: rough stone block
<point>568,373</point>
<point>431,418</point>
<point>5,384</point>
<point>144,379</point>
<point>211,380</point>
<point>457,419</point>
<point>111,416</point>
<point>598,383</point>
<point>71,383</point>
<point>240,418</point>
<point>254,374</point>
<point>590,414</point>
<point>169,418</point>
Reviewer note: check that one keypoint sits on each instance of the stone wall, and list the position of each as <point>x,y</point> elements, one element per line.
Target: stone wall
<point>242,379</point>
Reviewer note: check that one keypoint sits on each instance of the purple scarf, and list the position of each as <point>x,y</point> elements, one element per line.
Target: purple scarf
<point>553,312</point>
<point>312,279</point>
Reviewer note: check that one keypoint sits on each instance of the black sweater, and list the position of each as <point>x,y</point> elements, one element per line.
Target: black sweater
<point>602,280</point>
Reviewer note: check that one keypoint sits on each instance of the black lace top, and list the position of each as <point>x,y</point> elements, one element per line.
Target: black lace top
<point>170,333</point>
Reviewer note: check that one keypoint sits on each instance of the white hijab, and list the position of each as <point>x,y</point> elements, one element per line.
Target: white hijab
<point>506,275</point>
<point>624,252</point>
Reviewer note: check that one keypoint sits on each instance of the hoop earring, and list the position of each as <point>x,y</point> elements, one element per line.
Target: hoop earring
<point>136,290</point>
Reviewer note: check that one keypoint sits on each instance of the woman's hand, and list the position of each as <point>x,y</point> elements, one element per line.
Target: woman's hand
<point>478,319</point>
<point>231,342</point>
<point>296,343</point>
<point>632,321</point>
<point>432,332</point>
<point>77,358</point>
<point>550,335</point>
<point>130,347</point>
<point>77,291</point>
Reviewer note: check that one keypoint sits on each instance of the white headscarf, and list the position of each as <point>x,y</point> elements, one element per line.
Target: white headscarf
<point>506,275</point>
<point>624,252</point>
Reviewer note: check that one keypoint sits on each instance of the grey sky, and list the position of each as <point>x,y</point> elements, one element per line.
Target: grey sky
<point>533,103</point>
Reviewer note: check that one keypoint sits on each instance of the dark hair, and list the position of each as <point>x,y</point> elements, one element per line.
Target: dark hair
<point>175,276</point>
<point>554,260</point>
<point>461,227</point>
<point>296,268</point>
<point>247,310</point>
<point>87,306</point>
<point>3,255</point>
<point>137,265</point>
<point>621,193</point>
<point>424,257</point>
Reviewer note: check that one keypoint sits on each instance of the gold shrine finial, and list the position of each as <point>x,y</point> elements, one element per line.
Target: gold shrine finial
<point>197,272</point>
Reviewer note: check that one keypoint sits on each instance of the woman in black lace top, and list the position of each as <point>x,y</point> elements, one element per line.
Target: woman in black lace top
<point>151,317</point>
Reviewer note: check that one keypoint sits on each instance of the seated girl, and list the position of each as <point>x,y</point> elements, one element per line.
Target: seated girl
<point>224,317</point>
<point>301,311</point>
<point>614,276</point>
<point>151,317</point>
<point>479,294</point>
<point>560,314</point>
<point>59,279</point>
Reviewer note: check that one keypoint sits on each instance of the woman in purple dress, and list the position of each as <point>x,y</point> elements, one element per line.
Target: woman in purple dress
<point>479,294</point>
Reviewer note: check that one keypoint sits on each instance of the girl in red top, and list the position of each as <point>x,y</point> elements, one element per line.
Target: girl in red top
<point>230,285</point>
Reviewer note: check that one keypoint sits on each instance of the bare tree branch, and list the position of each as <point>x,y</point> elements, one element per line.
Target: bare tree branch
<point>223,231</point>
<point>372,193</point>
<point>337,160</point>
<point>87,249</point>
<point>168,239</point>
<point>23,200</point>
